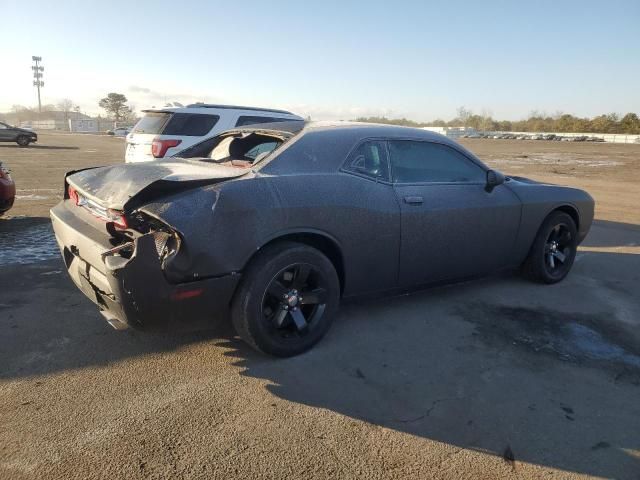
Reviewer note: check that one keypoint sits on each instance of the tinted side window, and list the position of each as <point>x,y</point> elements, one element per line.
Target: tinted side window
<point>370,159</point>
<point>416,162</point>
<point>190,124</point>
<point>247,120</point>
<point>261,148</point>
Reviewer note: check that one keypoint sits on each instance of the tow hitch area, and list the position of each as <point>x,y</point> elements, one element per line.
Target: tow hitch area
<point>142,277</point>
<point>116,323</point>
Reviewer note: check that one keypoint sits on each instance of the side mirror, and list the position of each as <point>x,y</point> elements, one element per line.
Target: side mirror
<point>494,178</point>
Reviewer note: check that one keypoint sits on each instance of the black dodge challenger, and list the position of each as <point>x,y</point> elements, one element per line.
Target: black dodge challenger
<point>275,223</point>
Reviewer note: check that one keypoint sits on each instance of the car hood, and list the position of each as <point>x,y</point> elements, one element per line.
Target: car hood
<point>116,187</point>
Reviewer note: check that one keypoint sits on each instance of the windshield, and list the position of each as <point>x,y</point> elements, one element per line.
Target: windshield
<point>152,122</point>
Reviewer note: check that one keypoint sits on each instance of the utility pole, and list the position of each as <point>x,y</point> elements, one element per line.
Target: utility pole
<point>37,76</point>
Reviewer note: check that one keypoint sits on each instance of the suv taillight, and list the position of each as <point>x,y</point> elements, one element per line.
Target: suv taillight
<point>160,147</point>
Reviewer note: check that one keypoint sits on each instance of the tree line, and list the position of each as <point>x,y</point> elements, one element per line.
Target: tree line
<point>115,105</point>
<point>536,122</point>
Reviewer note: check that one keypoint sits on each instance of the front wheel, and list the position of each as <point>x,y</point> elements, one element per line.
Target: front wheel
<point>23,140</point>
<point>287,299</point>
<point>553,250</point>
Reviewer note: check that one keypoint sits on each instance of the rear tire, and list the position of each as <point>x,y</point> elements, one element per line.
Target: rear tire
<point>286,300</point>
<point>23,141</point>
<point>553,251</point>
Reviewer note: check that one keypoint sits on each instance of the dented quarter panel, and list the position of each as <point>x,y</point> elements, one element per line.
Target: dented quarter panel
<point>245,214</point>
<point>236,218</point>
<point>220,223</point>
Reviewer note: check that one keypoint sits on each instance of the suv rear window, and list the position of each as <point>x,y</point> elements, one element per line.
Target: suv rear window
<point>183,124</point>
<point>190,124</point>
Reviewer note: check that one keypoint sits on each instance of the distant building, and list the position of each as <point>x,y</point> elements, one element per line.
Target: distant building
<point>50,120</point>
<point>69,122</point>
<point>90,125</point>
<point>452,132</point>
<point>46,124</point>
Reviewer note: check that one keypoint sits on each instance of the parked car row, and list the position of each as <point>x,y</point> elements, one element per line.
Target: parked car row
<point>539,136</point>
<point>120,131</point>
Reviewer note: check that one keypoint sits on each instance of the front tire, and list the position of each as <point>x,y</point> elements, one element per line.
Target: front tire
<point>554,249</point>
<point>286,300</point>
<point>23,141</point>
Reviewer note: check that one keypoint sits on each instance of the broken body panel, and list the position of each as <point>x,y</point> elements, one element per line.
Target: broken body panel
<point>130,281</point>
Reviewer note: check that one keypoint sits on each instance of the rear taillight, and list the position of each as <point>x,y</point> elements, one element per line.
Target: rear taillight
<point>73,195</point>
<point>117,217</point>
<point>109,215</point>
<point>160,147</point>
<point>4,173</point>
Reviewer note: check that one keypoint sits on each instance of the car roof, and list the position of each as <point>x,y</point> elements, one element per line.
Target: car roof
<point>237,107</point>
<point>205,106</point>
<point>356,128</point>
<point>372,130</point>
<point>321,147</point>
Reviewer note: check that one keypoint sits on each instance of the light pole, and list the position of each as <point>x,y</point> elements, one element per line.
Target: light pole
<point>37,75</point>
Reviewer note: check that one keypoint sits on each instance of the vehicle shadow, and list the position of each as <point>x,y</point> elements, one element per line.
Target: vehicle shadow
<point>496,366</point>
<point>40,147</point>
<point>605,233</point>
<point>550,374</point>
<point>39,330</point>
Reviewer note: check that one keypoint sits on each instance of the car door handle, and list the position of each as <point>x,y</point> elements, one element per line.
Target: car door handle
<point>413,200</point>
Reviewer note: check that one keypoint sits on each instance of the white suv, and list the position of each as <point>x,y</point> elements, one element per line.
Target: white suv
<point>166,132</point>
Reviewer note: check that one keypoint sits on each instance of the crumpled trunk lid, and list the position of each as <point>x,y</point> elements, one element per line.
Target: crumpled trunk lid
<point>116,187</point>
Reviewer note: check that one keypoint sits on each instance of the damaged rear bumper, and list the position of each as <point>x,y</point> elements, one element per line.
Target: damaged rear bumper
<point>134,291</point>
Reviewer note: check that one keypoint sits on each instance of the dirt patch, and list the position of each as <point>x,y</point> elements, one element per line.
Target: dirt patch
<point>39,169</point>
<point>577,337</point>
<point>609,172</point>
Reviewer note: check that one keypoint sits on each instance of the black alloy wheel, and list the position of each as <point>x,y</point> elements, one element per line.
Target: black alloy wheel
<point>295,300</point>
<point>554,249</point>
<point>286,300</point>
<point>557,250</point>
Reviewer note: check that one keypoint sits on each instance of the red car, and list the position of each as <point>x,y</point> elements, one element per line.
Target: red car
<point>7,190</point>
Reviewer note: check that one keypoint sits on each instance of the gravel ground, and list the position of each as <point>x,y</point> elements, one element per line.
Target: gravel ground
<point>497,378</point>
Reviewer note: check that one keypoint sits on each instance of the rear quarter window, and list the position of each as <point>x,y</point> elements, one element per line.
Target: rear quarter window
<point>190,124</point>
<point>152,122</point>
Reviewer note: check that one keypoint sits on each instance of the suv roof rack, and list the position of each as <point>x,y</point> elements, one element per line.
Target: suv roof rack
<point>236,107</point>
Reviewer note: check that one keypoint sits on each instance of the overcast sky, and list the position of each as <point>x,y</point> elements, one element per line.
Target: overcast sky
<point>330,59</point>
